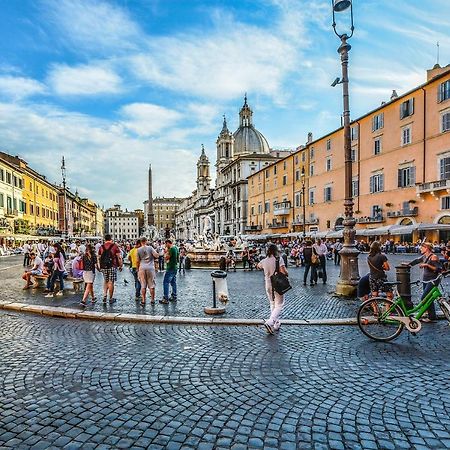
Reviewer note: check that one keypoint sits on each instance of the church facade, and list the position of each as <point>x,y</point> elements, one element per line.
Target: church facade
<point>223,209</point>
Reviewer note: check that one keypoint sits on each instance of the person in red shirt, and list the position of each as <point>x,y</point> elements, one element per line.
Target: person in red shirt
<point>109,260</point>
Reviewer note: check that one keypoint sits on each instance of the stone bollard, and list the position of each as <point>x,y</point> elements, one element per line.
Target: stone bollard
<point>403,273</point>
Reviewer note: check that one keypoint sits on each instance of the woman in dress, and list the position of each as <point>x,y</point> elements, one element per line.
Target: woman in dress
<point>89,264</point>
<point>276,301</point>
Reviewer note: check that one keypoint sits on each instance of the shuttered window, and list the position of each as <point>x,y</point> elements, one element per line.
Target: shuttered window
<point>445,169</point>
<point>406,177</point>
<point>376,183</point>
<point>444,91</point>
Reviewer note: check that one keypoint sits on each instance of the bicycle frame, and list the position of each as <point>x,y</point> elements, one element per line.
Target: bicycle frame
<point>419,310</point>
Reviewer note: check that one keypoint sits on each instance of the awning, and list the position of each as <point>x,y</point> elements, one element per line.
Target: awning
<point>335,234</point>
<point>380,231</point>
<point>433,226</point>
<point>397,230</point>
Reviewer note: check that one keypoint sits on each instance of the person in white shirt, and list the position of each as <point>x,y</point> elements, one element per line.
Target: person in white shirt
<point>276,300</point>
<point>337,247</point>
<point>41,248</point>
<point>26,254</point>
<point>82,248</point>
<point>37,269</point>
<point>321,250</point>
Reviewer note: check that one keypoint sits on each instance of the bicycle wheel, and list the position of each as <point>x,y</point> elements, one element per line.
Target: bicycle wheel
<point>375,319</point>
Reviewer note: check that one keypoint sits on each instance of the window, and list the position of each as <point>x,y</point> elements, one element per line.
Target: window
<point>311,170</point>
<point>8,177</point>
<point>259,208</point>
<point>407,108</point>
<point>267,207</point>
<point>284,165</point>
<point>311,196</point>
<point>354,133</point>
<point>445,121</point>
<point>327,194</point>
<point>252,211</point>
<point>267,173</point>
<point>376,183</point>
<point>377,146</point>
<point>445,168</point>
<point>284,180</point>
<point>377,122</point>
<point>328,164</point>
<point>444,91</point>
<point>406,135</point>
<point>328,144</point>
<point>376,211</point>
<point>274,170</point>
<point>296,159</point>
<point>354,153</point>
<point>2,201</point>
<point>406,176</point>
<point>298,199</point>
<point>355,187</point>
<point>445,202</point>
<point>297,175</point>
<point>311,153</point>
<point>303,156</point>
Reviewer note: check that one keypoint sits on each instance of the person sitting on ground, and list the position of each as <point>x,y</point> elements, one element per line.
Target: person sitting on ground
<point>36,269</point>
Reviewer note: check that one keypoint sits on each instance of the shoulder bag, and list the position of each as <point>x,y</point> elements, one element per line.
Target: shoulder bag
<point>280,281</point>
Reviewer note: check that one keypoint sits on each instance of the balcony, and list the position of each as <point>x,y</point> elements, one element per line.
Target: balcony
<point>278,225</point>
<point>11,212</point>
<point>253,228</point>
<point>308,221</point>
<point>281,209</point>
<point>404,213</point>
<point>433,186</point>
<point>376,219</point>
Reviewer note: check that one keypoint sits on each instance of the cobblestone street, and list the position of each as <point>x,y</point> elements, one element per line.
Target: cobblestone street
<point>247,295</point>
<point>77,384</point>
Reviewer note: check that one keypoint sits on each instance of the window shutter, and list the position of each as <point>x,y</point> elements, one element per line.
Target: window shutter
<point>411,106</point>
<point>381,183</point>
<point>371,185</point>
<point>381,120</point>
<point>412,175</point>
<point>373,123</point>
<point>400,181</point>
<point>442,163</point>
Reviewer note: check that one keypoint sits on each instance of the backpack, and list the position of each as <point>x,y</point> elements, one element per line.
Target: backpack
<point>79,264</point>
<point>280,282</point>
<point>106,258</point>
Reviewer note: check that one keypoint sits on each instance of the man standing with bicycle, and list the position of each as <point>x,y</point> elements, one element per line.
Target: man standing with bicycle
<point>429,262</point>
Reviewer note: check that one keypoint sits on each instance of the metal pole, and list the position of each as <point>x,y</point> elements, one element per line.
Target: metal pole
<point>214,294</point>
<point>349,275</point>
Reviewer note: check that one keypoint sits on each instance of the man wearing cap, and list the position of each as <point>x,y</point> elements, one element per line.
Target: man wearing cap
<point>429,262</point>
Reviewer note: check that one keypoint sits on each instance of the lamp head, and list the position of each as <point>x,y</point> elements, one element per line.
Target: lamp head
<point>335,82</point>
<point>341,5</point>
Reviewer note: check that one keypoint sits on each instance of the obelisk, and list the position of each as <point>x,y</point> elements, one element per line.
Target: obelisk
<point>150,215</point>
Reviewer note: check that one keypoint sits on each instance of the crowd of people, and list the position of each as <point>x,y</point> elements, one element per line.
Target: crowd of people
<point>83,260</point>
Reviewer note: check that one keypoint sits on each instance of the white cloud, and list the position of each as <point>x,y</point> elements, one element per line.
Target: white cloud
<point>100,157</point>
<point>146,119</point>
<point>84,80</point>
<point>92,25</point>
<point>20,87</point>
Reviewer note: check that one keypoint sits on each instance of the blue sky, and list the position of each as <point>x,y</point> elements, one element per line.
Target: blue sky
<point>115,85</point>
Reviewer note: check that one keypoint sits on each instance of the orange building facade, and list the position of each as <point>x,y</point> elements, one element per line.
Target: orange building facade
<point>401,174</point>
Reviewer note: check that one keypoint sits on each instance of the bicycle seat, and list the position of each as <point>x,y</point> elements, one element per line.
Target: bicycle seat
<point>392,283</point>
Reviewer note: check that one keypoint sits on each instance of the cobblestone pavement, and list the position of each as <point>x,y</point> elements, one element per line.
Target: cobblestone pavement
<point>76,384</point>
<point>247,295</point>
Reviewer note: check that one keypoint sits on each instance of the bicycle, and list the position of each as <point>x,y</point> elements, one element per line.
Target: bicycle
<point>382,319</point>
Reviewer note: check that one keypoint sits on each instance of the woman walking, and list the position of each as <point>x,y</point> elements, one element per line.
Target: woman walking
<point>58,271</point>
<point>276,301</point>
<point>89,262</point>
<point>378,265</point>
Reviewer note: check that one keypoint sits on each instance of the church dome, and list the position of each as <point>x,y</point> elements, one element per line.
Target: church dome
<point>247,139</point>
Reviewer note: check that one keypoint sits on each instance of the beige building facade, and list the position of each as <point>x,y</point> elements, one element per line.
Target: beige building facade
<point>401,173</point>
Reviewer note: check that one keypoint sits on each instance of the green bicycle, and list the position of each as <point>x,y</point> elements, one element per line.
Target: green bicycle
<point>382,319</point>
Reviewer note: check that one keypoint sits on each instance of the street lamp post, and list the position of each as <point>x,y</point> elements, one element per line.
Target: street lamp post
<point>63,173</point>
<point>303,202</point>
<point>349,276</point>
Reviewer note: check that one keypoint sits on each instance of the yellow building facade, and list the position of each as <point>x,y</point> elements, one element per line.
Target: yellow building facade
<point>401,173</point>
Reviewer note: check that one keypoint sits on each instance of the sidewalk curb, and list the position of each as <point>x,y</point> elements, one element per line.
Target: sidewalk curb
<point>166,320</point>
